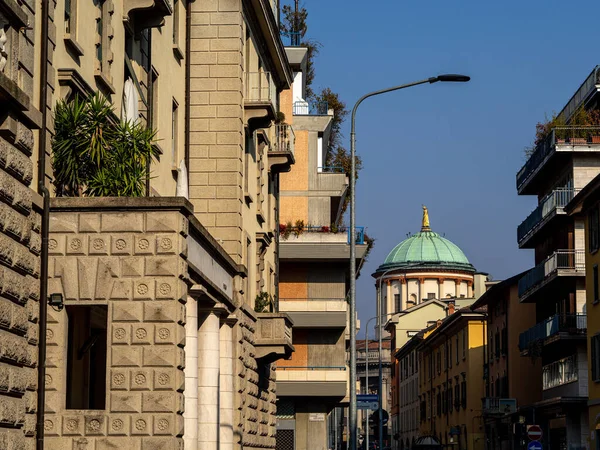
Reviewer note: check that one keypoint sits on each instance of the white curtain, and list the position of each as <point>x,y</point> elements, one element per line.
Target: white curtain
<point>182,181</point>
<point>129,110</point>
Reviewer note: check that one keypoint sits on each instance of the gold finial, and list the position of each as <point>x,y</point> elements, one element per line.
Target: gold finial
<point>425,225</point>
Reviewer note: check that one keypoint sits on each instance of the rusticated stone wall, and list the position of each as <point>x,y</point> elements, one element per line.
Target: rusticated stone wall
<point>135,263</point>
<point>256,390</point>
<point>20,242</point>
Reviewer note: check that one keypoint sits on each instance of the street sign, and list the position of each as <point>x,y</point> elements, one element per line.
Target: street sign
<point>367,401</point>
<point>534,432</point>
<point>534,445</point>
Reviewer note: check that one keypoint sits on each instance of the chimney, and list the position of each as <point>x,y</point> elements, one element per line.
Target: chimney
<point>439,322</point>
<point>451,308</point>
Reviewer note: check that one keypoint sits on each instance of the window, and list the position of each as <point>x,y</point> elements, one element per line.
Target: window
<point>68,13</point>
<point>155,105</point>
<point>174,132</point>
<point>560,372</point>
<point>450,353</point>
<point>457,396</point>
<point>457,347</point>
<point>176,6</point>
<point>99,33</point>
<point>504,346</point>
<point>430,295</point>
<point>449,393</point>
<point>397,302</point>
<point>463,393</point>
<point>86,357</point>
<point>595,275</point>
<point>594,229</point>
<point>596,357</point>
<point>497,342</point>
<point>464,343</point>
<point>439,362</point>
<point>439,403</point>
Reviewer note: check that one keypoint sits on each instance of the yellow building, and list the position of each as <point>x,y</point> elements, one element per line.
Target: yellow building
<point>587,204</point>
<point>451,380</point>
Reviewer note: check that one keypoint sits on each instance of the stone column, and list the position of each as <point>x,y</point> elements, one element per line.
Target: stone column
<point>469,289</point>
<point>457,288</point>
<point>226,393</point>
<point>388,300</point>
<point>208,380</point>
<point>441,292</point>
<point>190,416</point>
<point>404,293</point>
<point>421,289</point>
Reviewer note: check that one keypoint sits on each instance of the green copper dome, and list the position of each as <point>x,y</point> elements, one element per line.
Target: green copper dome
<point>427,250</point>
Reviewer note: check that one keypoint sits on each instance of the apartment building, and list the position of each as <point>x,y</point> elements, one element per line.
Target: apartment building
<point>585,205</point>
<point>154,299</point>
<point>510,381</point>
<point>451,380</point>
<point>313,270</point>
<point>562,162</point>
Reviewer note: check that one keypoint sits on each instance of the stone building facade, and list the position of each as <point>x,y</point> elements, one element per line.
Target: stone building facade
<point>154,348</point>
<point>20,224</point>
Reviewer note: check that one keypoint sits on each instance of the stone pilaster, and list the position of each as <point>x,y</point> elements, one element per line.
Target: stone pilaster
<point>226,394</point>
<point>190,416</point>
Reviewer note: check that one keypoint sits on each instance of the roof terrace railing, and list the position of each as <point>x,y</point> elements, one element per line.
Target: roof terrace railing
<point>555,201</point>
<point>570,136</point>
<point>291,38</point>
<point>582,94</point>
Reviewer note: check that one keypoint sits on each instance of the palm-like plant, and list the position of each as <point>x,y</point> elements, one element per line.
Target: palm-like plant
<point>97,155</point>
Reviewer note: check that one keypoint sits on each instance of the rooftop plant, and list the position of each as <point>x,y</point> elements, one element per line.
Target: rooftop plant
<point>95,154</point>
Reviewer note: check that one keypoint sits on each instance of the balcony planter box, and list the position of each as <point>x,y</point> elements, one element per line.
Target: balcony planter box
<point>595,139</point>
<point>574,141</point>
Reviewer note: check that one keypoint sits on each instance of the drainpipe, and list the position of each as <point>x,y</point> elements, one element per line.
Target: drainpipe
<point>188,55</point>
<point>150,83</point>
<point>42,190</point>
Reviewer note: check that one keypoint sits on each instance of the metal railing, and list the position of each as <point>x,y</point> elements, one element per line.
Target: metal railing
<point>560,260</point>
<point>360,231</point>
<point>259,87</point>
<point>340,368</point>
<point>285,139</point>
<point>556,200</point>
<point>291,38</point>
<point>568,135</point>
<point>330,169</point>
<point>560,372</point>
<point>584,91</point>
<point>314,299</point>
<point>304,108</point>
<point>572,323</point>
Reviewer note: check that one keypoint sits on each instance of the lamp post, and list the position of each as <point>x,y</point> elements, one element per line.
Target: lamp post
<point>352,413</point>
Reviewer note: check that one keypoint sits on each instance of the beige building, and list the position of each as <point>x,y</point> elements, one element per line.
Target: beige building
<point>158,344</point>
<point>313,264</point>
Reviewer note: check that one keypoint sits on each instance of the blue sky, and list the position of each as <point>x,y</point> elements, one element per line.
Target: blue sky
<point>453,147</point>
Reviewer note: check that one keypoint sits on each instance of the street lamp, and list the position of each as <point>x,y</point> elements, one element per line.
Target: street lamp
<point>352,412</point>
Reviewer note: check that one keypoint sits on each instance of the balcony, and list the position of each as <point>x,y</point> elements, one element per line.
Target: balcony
<point>273,337</point>
<point>562,263</point>
<point>259,99</point>
<point>312,381</point>
<point>550,207</point>
<point>561,142</point>
<point>320,243</point>
<point>588,88</point>
<point>494,406</point>
<point>281,150</point>
<point>558,326</point>
<point>316,312</point>
<point>304,108</point>
<point>143,14</point>
<point>559,373</point>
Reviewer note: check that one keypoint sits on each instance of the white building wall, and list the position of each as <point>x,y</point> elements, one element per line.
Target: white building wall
<point>430,286</point>
<point>449,288</point>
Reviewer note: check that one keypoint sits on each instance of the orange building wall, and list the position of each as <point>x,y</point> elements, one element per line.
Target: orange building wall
<point>297,178</point>
<point>300,355</point>
<point>286,105</point>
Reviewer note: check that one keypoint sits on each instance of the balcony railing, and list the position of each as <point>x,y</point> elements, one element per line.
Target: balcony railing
<point>571,323</point>
<point>259,87</point>
<point>285,139</point>
<point>304,108</point>
<point>291,38</point>
<point>311,368</point>
<point>560,372</point>
<point>573,260</point>
<point>289,233</point>
<point>330,169</point>
<point>570,137</point>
